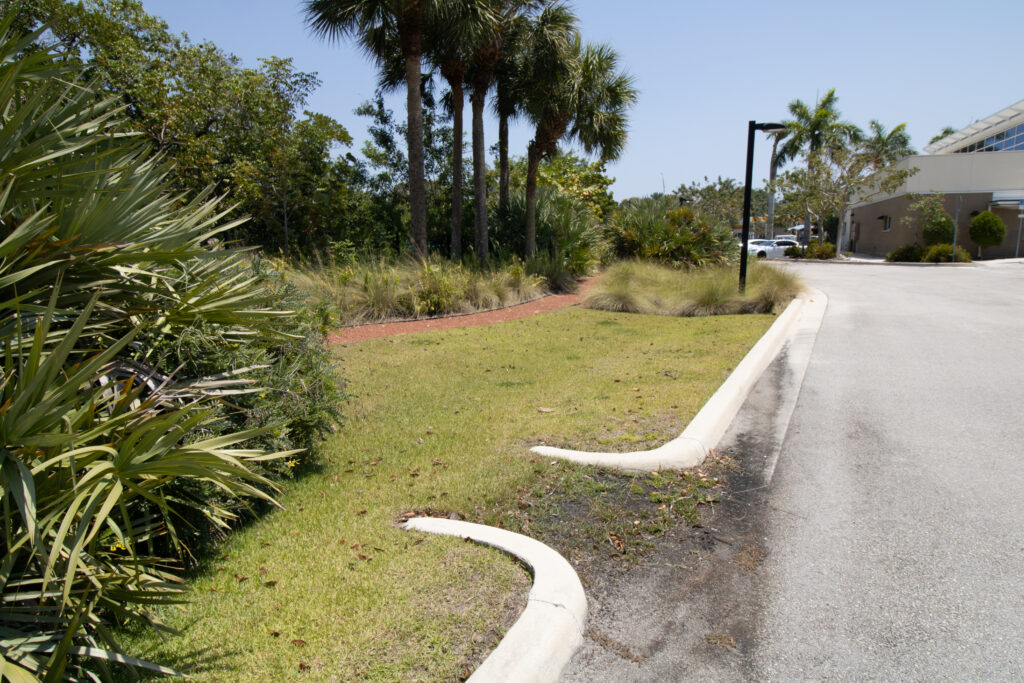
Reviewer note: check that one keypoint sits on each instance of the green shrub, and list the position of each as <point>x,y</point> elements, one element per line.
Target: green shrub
<point>794,252</point>
<point>654,228</point>
<point>909,253</point>
<point>943,253</point>
<point>567,231</point>
<point>987,230</point>
<point>938,230</point>
<point>928,213</point>
<point>134,377</point>
<point>821,250</point>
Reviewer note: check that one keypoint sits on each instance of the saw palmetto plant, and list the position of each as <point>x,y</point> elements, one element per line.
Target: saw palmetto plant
<point>98,259</point>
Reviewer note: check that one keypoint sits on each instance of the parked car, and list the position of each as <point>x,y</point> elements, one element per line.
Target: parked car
<point>753,245</point>
<point>774,248</point>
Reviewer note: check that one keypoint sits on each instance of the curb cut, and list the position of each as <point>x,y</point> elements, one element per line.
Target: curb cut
<point>550,630</point>
<point>709,425</point>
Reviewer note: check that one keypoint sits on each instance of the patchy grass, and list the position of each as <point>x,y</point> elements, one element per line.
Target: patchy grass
<point>644,287</point>
<point>330,588</point>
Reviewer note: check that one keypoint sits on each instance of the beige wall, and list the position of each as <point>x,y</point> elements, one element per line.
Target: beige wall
<point>959,174</point>
<point>870,238</point>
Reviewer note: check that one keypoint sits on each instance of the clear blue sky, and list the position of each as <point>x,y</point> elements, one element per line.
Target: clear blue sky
<point>704,68</point>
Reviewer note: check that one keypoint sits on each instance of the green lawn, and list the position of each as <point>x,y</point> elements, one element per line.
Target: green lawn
<point>440,422</point>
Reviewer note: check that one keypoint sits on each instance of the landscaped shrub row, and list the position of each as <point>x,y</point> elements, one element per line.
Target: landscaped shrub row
<point>937,253</point>
<point>814,250</point>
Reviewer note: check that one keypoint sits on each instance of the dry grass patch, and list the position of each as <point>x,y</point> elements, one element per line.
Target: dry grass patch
<point>644,287</point>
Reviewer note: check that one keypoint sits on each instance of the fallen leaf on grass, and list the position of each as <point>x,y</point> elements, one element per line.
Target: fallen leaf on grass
<point>303,666</point>
<point>270,584</point>
<point>298,642</point>
<point>263,570</point>
<point>275,634</point>
<point>241,578</point>
<point>361,512</point>
<point>545,410</point>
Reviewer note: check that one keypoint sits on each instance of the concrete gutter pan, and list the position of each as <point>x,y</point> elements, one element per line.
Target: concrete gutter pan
<point>707,427</point>
<point>550,630</point>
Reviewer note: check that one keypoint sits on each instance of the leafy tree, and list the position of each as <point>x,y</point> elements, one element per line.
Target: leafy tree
<point>720,202</point>
<point>386,171</point>
<point>236,129</point>
<point>831,178</point>
<point>987,230</point>
<point>887,147</point>
<point>928,214</point>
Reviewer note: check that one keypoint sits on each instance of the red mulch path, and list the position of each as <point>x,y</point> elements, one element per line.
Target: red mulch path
<point>549,303</point>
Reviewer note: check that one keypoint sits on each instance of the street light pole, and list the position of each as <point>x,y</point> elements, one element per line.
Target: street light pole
<point>751,127</point>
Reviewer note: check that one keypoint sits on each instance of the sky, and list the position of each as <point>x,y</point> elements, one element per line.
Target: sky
<point>703,69</point>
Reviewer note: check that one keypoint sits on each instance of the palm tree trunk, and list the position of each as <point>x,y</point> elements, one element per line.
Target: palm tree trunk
<point>457,102</point>
<point>772,171</point>
<point>532,167</point>
<point>414,140</point>
<point>477,99</point>
<point>503,164</point>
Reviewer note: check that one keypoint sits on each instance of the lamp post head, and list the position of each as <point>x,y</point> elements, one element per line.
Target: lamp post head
<point>769,127</point>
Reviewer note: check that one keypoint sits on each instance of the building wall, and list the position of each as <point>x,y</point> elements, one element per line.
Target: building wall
<point>870,237</point>
<point>959,173</point>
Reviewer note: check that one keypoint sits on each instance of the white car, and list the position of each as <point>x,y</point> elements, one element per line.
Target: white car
<point>773,249</point>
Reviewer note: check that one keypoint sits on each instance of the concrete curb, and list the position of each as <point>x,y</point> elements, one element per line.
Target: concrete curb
<point>706,429</point>
<point>550,630</point>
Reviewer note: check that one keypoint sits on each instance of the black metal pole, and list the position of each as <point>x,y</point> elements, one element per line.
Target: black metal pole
<point>751,127</point>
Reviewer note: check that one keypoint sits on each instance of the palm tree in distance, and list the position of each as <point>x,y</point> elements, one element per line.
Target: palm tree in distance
<point>884,148</point>
<point>509,92</point>
<point>773,170</point>
<point>817,130</point>
<point>577,93</point>
<point>377,25</point>
<point>480,77</point>
<point>449,47</point>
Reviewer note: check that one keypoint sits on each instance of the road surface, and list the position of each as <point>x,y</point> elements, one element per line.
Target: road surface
<point>891,526</point>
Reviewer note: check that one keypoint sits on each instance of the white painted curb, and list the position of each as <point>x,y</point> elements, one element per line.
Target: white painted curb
<point>550,630</point>
<point>708,426</point>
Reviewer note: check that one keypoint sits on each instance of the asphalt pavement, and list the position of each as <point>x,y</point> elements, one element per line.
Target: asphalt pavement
<point>878,533</point>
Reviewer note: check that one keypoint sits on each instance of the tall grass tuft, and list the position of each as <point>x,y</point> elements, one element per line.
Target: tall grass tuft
<point>401,289</point>
<point>643,287</point>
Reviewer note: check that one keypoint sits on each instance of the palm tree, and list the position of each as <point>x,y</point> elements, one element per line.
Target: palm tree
<point>816,130</point>
<point>449,47</point>
<point>884,148</point>
<point>377,25</point>
<point>480,77</point>
<point>577,93</point>
<point>773,171</point>
<point>508,94</point>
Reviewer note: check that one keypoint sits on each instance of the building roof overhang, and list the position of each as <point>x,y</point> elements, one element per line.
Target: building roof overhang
<point>977,130</point>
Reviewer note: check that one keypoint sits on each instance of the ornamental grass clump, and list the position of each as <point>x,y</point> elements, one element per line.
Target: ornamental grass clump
<point>128,344</point>
<point>642,287</point>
